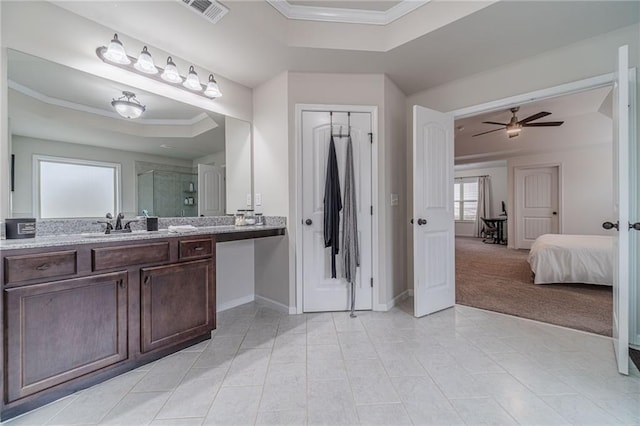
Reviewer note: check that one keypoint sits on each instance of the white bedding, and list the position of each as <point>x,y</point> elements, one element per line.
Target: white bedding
<point>572,259</point>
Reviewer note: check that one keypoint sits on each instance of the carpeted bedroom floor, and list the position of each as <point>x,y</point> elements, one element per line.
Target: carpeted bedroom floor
<point>498,279</point>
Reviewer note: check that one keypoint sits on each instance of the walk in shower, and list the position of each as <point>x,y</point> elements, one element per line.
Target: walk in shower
<point>168,193</point>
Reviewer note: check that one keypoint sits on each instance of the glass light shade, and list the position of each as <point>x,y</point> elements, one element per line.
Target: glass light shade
<point>145,63</point>
<point>128,106</point>
<point>115,52</point>
<point>212,90</point>
<point>171,73</point>
<point>192,82</point>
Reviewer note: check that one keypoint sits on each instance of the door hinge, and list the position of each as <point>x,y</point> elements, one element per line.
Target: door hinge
<point>371,138</point>
<point>371,281</point>
<point>371,210</point>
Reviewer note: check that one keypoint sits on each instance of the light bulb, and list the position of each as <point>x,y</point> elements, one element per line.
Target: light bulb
<point>115,52</point>
<point>212,90</point>
<point>145,63</point>
<point>171,73</point>
<point>192,82</point>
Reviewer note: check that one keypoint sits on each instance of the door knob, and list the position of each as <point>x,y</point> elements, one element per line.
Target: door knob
<point>411,221</point>
<point>555,213</point>
<point>422,222</point>
<point>308,221</point>
<point>635,226</point>
<point>610,225</point>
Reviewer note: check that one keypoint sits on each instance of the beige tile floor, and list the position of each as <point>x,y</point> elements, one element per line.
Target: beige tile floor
<point>459,366</point>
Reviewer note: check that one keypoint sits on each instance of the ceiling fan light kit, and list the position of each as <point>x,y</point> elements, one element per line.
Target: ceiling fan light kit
<point>514,126</point>
<point>114,54</point>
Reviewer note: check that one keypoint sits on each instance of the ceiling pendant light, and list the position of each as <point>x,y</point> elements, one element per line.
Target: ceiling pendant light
<point>145,62</point>
<point>115,52</point>
<point>212,90</point>
<point>192,82</point>
<point>128,106</point>
<point>171,73</point>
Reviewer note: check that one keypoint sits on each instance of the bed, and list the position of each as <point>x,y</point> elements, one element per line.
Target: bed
<point>584,259</point>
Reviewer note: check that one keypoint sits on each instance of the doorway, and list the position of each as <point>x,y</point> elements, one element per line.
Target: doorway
<point>536,203</point>
<point>321,292</point>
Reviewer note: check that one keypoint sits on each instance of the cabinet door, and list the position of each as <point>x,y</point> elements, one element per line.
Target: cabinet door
<point>178,303</point>
<point>61,330</point>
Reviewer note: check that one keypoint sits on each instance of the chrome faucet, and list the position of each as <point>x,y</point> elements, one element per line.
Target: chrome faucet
<point>119,221</point>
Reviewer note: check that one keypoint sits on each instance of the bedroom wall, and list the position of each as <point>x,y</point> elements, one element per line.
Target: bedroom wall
<point>586,184</point>
<point>498,192</point>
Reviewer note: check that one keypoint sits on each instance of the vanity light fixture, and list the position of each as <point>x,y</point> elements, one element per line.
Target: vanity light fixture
<point>192,82</point>
<point>128,106</point>
<point>115,54</point>
<point>145,63</point>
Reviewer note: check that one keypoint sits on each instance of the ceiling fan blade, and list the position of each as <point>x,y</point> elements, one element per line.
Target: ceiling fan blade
<point>484,133</point>
<point>534,117</point>
<point>493,122</point>
<point>544,124</point>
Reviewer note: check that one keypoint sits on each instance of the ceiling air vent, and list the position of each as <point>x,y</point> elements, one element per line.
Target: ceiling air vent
<point>212,10</point>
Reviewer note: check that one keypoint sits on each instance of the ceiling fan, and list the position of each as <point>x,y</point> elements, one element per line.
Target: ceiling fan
<point>514,127</point>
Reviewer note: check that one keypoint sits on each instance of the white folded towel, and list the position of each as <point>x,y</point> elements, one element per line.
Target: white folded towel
<point>181,228</point>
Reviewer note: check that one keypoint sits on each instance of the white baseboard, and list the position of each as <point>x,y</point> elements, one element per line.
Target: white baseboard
<point>393,302</point>
<point>235,302</point>
<point>273,304</point>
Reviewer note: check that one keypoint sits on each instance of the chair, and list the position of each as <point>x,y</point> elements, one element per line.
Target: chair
<point>490,231</point>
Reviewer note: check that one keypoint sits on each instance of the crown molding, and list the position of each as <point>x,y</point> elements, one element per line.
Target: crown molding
<point>346,16</point>
<point>97,111</point>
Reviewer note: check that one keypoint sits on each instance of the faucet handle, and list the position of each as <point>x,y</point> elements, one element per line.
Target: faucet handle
<point>109,216</point>
<point>120,215</point>
<point>128,224</point>
<point>109,226</point>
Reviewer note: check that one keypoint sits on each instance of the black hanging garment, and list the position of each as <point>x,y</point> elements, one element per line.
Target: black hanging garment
<point>332,206</point>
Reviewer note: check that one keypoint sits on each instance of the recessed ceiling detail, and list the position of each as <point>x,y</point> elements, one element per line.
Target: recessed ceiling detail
<point>347,16</point>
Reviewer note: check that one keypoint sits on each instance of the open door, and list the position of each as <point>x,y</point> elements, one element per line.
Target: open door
<point>621,211</point>
<point>211,190</point>
<point>433,225</point>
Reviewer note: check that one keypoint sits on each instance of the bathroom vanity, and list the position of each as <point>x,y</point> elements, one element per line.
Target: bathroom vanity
<point>80,309</point>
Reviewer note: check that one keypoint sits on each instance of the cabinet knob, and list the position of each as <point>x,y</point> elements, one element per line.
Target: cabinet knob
<point>610,225</point>
<point>122,284</point>
<point>43,267</point>
<point>146,280</point>
<point>308,222</point>
<point>198,249</point>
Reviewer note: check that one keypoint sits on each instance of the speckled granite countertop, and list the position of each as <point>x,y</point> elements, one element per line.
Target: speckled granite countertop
<point>95,237</point>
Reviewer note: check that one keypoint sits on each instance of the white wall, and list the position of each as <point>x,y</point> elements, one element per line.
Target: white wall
<point>586,185</point>
<point>271,180</point>
<point>235,274</point>
<point>24,148</point>
<point>394,219</point>
<point>498,177</point>
<point>216,159</point>
<point>238,160</point>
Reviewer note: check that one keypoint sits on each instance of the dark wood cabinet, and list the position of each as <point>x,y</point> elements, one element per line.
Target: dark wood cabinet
<point>61,330</point>
<point>177,303</point>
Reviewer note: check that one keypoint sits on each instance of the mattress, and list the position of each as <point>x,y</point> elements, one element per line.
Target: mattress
<point>584,259</point>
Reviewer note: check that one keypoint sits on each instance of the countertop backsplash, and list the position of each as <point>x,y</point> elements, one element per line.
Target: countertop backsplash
<point>49,227</point>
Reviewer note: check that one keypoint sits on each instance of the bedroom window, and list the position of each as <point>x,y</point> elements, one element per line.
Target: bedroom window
<point>465,198</point>
<point>74,188</point>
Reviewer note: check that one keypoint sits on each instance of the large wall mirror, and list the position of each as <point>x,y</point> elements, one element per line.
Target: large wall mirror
<point>73,156</point>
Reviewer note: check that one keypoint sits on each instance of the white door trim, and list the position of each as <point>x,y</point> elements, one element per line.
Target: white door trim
<point>514,205</point>
<point>373,110</point>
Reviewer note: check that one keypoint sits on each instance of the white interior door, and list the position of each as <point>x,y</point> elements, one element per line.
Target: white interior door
<point>536,207</point>
<point>621,211</point>
<point>320,292</point>
<point>211,190</point>
<point>433,228</point>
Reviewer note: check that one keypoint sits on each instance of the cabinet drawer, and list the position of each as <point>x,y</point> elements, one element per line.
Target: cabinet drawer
<point>192,249</point>
<point>121,256</point>
<point>35,266</point>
